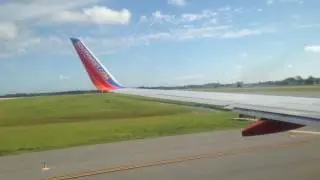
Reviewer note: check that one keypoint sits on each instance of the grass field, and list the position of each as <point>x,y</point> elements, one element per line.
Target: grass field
<point>284,89</point>
<point>41,123</point>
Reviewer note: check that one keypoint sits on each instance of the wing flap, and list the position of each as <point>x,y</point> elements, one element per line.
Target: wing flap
<point>285,115</point>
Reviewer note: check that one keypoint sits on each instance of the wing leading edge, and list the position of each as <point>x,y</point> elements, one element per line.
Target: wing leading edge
<point>274,113</point>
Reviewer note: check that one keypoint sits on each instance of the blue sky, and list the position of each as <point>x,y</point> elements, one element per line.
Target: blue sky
<point>158,42</point>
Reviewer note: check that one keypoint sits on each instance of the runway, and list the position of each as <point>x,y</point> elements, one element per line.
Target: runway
<point>3,99</point>
<point>286,93</point>
<point>213,155</point>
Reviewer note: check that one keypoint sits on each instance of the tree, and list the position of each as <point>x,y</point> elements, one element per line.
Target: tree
<point>239,84</point>
<point>299,80</point>
<point>310,80</point>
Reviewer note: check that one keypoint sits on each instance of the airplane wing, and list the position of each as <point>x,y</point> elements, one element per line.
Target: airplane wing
<point>274,113</point>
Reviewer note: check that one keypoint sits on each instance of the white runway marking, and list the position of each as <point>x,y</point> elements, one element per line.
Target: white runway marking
<point>45,169</point>
<point>306,132</point>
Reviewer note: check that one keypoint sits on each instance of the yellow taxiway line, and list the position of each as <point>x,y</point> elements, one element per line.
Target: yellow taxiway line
<point>174,160</point>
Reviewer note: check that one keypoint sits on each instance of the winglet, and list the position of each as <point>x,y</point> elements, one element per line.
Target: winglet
<point>264,126</point>
<point>99,75</point>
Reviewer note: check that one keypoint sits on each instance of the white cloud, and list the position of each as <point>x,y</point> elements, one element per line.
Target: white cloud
<point>107,45</point>
<point>289,65</point>
<point>204,17</point>
<point>17,20</point>
<point>96,14</point>
<point>200,32</point>
<point>242,33</point>
<point>183,34</point>
<point>270,2</point>
<point>177,2</point>
<point>190,77</point>
<point>187,26</point>
<point>63,77</point>
<point>243,54</point>
<point>27,43</point>
<point>239,67</point>
<point>158,17</point>
<point>304,26</point>
<point>312,48</point>
<point>226,8</point>
<point>8,31</point>
<point>4,55</point>
<point>206,14</point>
<point>191,17</point>
<point>35,9</point>
<point>296,17</point>
<point>143,18</point>
<point>292,1</point>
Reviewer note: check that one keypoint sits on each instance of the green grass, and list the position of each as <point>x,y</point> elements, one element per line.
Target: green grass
<point>302,88</point>
<point>75,108</point>
<point>42,123</point>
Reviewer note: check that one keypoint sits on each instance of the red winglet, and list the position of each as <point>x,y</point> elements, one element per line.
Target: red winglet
<point>99,75</point>
<point>265,126</point>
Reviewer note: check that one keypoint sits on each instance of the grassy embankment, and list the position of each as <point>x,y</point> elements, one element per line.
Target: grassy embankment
<point>41,123</point>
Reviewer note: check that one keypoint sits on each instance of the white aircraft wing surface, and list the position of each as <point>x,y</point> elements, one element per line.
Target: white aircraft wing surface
<point>273,113</point>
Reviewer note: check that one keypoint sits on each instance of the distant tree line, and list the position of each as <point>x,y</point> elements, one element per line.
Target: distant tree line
<point>298,80</point>
<point>49,93</point>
